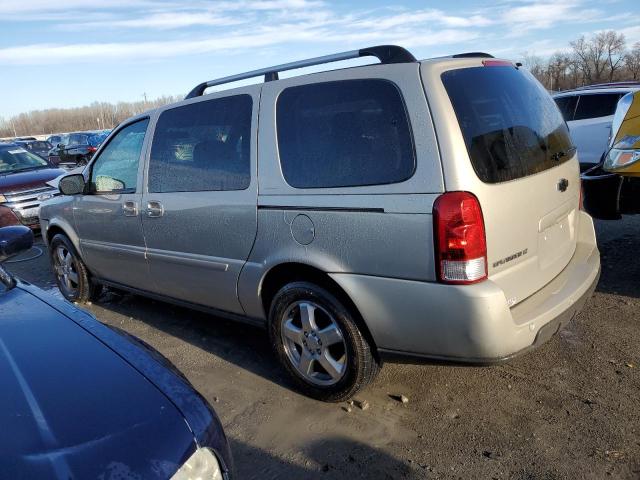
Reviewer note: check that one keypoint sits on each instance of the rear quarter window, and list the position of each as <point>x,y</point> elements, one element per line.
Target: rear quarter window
<point>511,126</point>
<point>567,106</point>
<point>344,134</point>
<point>596,105</point>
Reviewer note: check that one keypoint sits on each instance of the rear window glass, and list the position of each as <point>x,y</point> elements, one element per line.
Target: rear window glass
<point>511,126</point>
<point>344,134</point>
<point>596,105</point>
<point>567,106</point>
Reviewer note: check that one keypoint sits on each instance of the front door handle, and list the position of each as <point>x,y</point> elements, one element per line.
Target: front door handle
<point>154,209</point>
<point>130,209</point>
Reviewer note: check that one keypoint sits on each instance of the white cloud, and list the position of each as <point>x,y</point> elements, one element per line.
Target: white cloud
<point>255,24</point>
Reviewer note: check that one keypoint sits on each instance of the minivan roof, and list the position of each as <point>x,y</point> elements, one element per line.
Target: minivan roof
<point>387,54</point>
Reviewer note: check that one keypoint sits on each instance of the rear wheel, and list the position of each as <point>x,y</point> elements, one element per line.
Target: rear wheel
<point>72,276</point>
<point>319,343</point>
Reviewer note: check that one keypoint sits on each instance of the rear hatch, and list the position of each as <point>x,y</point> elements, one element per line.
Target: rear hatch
<point>526,172</point>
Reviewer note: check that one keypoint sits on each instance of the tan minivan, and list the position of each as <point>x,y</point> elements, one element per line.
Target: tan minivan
<point>425,209</point>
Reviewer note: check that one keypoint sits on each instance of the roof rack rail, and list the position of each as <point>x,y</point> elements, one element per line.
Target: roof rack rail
<point>472,54</point>
<point>385,53</point>
<point>630,83</point>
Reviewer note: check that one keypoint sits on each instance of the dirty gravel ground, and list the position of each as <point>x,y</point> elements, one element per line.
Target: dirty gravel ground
<point>570,409</point>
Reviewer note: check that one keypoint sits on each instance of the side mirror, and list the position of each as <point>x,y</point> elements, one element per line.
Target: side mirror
<point>623,156</point>
<point>14,240</point>
<point>60,145</point>
<point>72,184</point>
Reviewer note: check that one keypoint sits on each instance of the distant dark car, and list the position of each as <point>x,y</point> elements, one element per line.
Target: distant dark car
<point>80,400</point>
<point>21,139</point>
<point>23,185</point>
<point>76,148</point>
<point>39,147</point>
<point>54,140</point>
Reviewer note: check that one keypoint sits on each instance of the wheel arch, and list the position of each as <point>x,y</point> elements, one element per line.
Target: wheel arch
<point>56,227</point>
<point>284,273</point>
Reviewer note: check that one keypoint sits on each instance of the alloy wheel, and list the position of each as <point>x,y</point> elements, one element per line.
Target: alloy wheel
<point>314,343</point>
<point>65,270</point>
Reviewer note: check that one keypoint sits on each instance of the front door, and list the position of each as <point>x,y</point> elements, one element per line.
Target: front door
<point>108,218</point>
<point>200,206</point>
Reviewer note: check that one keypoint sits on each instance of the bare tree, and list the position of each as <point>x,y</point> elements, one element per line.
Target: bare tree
<point>632,62</point>
<point>600,56</point>
<point>97,116</point>
<point>615,48</point>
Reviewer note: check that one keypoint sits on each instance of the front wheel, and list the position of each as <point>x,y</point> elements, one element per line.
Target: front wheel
<point>72,276</point>
<point>319,343</point>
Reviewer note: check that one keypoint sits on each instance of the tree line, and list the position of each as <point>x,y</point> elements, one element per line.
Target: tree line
<point>603,57</point>
<point>97,116</point>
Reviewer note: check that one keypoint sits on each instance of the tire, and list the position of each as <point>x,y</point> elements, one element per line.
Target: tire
<point>72,276</point>
<point>298,343</point>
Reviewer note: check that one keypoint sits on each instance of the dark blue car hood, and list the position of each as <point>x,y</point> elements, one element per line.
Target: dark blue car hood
<point>70,407</point>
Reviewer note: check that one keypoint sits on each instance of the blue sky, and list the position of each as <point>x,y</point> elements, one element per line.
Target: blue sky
<point>71,52</point>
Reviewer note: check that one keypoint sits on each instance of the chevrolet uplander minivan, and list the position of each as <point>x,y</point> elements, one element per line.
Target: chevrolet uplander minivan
<point>422,209</point>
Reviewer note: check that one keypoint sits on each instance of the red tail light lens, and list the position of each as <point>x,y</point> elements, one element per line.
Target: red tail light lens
<point>497,63</point>
<point>92,149</point>
<point>461,245</point>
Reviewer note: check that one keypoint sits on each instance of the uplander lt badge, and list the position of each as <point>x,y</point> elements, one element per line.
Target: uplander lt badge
<point>510,257</point>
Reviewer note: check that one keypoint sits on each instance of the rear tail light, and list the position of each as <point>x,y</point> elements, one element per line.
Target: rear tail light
<point>92,149</point>
<point>461,245</point>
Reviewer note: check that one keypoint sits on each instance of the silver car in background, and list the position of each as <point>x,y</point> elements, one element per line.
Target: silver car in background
<point>589,113</point>
<point>421,209</point>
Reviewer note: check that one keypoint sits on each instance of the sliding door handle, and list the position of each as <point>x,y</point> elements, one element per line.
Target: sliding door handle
<point>130,209</point>
<point>154,209</point>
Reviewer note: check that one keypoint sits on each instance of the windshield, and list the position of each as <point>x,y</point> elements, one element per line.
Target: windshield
<point>511,126</point>
<point>16,159</point>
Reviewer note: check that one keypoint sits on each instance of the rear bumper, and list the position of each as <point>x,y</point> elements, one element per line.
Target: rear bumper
<point>472,323</point>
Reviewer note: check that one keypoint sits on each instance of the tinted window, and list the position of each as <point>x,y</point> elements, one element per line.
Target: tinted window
<point>202,146</point>
<point>77,139</point>
<point>596,105</point>
<point>511,126</point>
<point>567,106</point>
<point>344,134</point>
<point>116,169</point>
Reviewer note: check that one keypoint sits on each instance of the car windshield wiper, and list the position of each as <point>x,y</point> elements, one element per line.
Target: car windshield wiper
<point>563,153</point>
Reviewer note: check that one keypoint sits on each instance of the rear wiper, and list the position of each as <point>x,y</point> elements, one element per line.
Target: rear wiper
<point>563,153</point>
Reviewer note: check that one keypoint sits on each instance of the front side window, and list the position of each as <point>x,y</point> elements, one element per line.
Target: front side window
<point>344,134</point>
<point>204,146</point>
<point>596,105</point>
<point>116,169</point>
